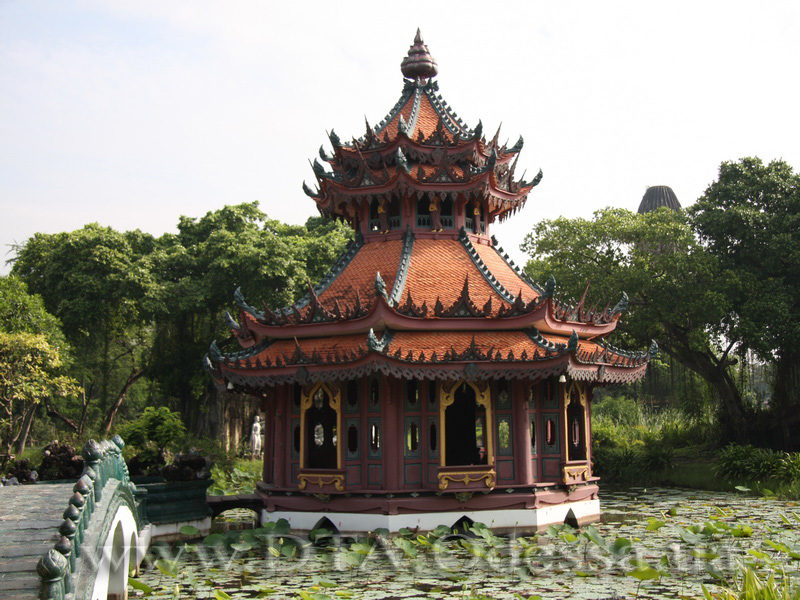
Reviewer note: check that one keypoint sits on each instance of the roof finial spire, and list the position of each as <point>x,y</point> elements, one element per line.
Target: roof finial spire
<point>419,64</point>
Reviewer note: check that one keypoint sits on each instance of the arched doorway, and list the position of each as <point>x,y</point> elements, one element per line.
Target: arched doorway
<point>467,434</point>
<point>321,439</point>
<point>576,426</point>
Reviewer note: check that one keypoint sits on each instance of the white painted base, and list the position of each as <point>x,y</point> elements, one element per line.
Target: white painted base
<point>167,532</point>
<point>584,511</point>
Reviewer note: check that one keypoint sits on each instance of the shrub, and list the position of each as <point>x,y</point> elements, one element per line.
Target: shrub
<point>156,426</point>
<point>748,463</point>
<point>150,437</point>
<point>789,467</point>
<point>620,410</point>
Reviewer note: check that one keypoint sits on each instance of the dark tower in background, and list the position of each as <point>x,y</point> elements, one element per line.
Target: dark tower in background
<point>657,196</point>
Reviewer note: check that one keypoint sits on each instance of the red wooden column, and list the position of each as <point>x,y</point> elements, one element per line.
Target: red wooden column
<point>522,441</point>
<point>268,408</point>
<point>392,393</point>
<point>281,438</point>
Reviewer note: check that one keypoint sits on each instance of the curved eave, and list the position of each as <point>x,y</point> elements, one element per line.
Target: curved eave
<point>481,179</point>
<point>382,315</point>
<point>373,362</point>
<point>587,331</point>
<point>404,141</point>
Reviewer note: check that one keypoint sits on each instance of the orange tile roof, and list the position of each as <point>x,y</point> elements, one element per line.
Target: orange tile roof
<point>391,127</point>
<point>504,273</point>
<point>438,269</point>
<point>428,119</point>
<point>383,257</point>
<point>326,348</point>
<point>442,342</point>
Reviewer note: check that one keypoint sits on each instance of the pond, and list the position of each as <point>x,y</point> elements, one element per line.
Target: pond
<point>650,543</point>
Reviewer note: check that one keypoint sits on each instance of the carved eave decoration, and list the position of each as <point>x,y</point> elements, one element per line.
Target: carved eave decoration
<point>604,365</point>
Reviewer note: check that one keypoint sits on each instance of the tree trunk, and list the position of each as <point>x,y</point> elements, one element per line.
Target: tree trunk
<point>706,364</point>
<point>86,400</point>
<point>112,412</point>
<point>786,399</point>
<point>22,438</point>
<point>53,413</point>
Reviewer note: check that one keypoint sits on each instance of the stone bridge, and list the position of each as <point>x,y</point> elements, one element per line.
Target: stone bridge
<point>74,541</point>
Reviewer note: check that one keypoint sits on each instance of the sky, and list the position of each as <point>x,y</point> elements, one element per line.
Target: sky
<point>133,113</point>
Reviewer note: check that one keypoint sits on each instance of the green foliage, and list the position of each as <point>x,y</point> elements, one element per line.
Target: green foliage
<point>676,292</point>
<point>241,478</point>
<point>748,221</point>
<point>32,357</point>
<point>140,311</point>
<point>21,312</point>
<point>620,410</point>
<point>632,444</point>
<point>748,464</point>
<point>157,427</point>
<point>30,371</point>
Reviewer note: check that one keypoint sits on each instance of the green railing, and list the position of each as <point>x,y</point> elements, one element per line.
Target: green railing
<point>103,462</point>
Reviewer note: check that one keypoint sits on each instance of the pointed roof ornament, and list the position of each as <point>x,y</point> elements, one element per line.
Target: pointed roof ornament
<point>419,64</point>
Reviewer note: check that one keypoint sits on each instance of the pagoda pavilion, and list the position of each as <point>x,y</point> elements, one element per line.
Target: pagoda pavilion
<point>425,378</point>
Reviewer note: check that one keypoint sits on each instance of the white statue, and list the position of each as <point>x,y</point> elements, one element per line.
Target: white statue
<point>255,438</point>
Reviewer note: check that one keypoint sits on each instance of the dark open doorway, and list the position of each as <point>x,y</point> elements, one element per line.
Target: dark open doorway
<point>465,429</point>
<point>321,434</point>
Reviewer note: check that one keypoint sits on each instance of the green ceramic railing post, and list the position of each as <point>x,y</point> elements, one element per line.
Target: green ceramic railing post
<point>52,569</point>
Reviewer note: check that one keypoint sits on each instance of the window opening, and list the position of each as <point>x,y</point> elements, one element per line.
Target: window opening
<point>296,397</point>
<point>412,438</point>
<point>503,396</point>
<point>447,214</point>
<point>432,439</point>
<point>352,439</point>
<point>374,394</point>
<point>424,212</point>
<point>533,436</point>
<point>412,393</point>
<point>432,393</point>
<point>504,435</point>
<point>352,394</point>
<point>394,213</point>
<point>374,437</point>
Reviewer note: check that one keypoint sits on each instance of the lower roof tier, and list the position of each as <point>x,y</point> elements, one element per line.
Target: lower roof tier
<point>448,278</point>
<point>525,354</point>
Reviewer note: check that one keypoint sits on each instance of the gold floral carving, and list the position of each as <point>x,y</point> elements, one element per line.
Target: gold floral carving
<point>467,477</point>
<point>320,480</point>
<point>579,472</point>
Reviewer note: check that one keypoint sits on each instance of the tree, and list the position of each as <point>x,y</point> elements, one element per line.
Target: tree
<point>141,311</point>
<point>100,287</point>
<point>749,220</point>
<point>29,373</point>
<point>197,272</point>
<point>21,312</point>
<point>677,295</point>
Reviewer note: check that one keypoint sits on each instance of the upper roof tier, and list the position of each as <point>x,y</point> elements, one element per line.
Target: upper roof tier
<point>421,147</point>
<point>423,290</point>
